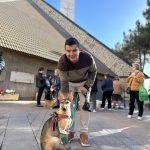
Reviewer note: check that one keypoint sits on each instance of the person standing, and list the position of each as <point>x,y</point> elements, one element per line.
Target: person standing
<point>149,93</point>
<point>117,91</point>
<point>57,87</point>
<point>2,62</point>
<point>135,80</point>
<point>107,87</point>
<point>77,71</point>
<point>48,93</point>
<point>40,84</point>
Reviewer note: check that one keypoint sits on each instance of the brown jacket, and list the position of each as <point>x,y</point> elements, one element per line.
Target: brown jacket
<point>84,70</point>
<point>136,81</point>
<point>117,87</point>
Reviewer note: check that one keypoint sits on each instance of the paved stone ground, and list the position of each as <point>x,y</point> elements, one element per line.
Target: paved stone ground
<point>21,123</point>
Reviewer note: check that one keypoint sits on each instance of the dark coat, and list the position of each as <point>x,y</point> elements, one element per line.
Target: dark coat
<point>40,80</point>
<point>2,64</point>
<point>107,85</point>
<point>94,87</point>
<point>57,84</point>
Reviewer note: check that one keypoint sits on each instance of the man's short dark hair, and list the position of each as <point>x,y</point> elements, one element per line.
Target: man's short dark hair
<point>72,41</point>
<point>41,69</point>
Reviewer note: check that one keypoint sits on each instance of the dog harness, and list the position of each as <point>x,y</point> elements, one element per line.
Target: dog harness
<point>60,117</point>
<point>55,119</point>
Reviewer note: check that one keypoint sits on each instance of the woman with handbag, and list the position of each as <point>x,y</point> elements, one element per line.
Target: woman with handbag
<point>135,80</point>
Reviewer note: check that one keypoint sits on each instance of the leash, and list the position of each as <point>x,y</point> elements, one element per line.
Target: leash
<point>54,121</point>
<point>74,108</point>
<point>63,117</point>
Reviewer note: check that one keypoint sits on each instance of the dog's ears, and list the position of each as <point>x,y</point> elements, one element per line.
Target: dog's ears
<point>62,96</point>
<point>70,96</point>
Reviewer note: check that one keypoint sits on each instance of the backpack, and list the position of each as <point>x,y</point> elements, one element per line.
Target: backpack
<point>143,95</point>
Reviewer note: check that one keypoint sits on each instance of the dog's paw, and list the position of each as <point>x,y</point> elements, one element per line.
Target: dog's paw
<point>63,131</point>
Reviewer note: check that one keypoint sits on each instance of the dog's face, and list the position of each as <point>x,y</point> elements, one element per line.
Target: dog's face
<point>65,103</point>
<point>65,106</point>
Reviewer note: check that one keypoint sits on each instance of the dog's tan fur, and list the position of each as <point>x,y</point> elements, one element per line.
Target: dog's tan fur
<point>50,139</point>
<point>50,103</point>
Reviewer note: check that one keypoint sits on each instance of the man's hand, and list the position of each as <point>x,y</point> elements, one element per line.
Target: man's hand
<point>83,89</point>
<point>132,75</point>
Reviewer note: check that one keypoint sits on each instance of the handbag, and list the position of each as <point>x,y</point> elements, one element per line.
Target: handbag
<point>143,95</point>
<point>86,106</point>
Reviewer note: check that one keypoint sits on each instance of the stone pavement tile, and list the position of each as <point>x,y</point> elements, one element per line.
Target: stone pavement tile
<point>108,130</point>
<point>38,122</point>
<point>147,146</point>
<point>113,147</point>
<point>128,141</point>
<point>2,134</point>
<point>19,134</point>
<point>37,131</point>
<point>75,144</point>
<point>3,125</point>
<point>19,140</point>
<point>103,142</point>
<point>138,147</point>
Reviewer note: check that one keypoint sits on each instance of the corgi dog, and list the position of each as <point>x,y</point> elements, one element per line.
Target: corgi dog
<point>57,126</point>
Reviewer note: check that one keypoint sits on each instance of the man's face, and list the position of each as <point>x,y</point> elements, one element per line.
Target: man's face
<point>72,52</point>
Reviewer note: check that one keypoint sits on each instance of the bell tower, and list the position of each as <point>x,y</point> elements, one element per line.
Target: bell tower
<point>67,8</point>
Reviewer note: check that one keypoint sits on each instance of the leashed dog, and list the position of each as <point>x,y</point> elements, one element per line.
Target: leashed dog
<point>55,129</point>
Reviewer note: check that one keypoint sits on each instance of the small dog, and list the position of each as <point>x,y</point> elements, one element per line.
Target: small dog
<point>50,103</point>
<point>53,130</point>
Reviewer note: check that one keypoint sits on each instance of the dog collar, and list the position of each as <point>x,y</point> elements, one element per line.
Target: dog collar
<point>60,117</point>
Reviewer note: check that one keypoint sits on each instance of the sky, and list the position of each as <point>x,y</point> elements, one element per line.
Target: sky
<point>106,20</point>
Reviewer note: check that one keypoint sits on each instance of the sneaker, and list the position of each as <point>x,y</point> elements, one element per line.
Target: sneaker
<point>84,139</point>
<point>94,110</point>
<point>70,136</point>
<point>129,116</point>
<point>139,118</point>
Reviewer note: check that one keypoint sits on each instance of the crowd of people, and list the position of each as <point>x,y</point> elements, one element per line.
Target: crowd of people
<point>50,84</point>
<point>75,74</point>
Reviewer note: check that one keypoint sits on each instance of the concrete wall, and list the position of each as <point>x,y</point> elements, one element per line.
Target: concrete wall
<point>20,62</point>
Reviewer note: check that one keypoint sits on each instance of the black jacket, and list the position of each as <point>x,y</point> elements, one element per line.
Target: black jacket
<point>107,85</point>
<point>40,80</point>
<point>94,87</point>
<point>2,64</point>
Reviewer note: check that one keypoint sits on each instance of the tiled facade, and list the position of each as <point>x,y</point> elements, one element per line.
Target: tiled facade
<point>32,34</point>
<point>98,49</point>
